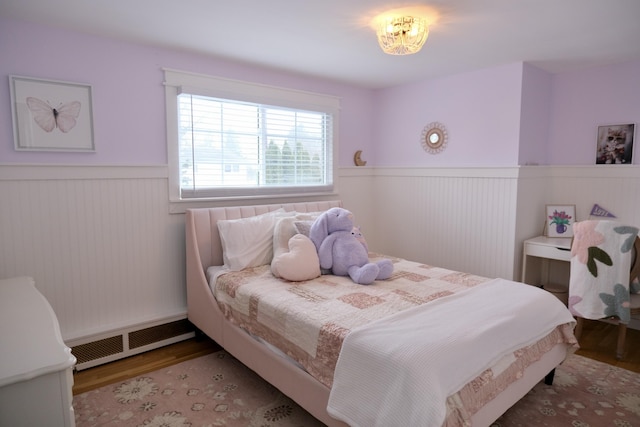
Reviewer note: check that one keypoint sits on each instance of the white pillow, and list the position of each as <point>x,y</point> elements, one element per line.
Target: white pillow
<point>303,227</point>
<point>248,242</point>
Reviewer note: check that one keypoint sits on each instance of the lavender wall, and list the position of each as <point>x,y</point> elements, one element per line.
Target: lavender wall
<point>512,115</point>
<point>581,101</point>
<point>481,111</point>
<point>128,96</point>
<point>534,116</point>
<point>503,116</point>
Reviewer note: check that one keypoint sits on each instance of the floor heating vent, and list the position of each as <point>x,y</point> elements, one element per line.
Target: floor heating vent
<point>98,349</point>
<point>159,333</point>
<point>124,343</point>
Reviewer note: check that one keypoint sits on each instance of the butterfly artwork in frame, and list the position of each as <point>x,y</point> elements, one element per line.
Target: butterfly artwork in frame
<point>51,115</point>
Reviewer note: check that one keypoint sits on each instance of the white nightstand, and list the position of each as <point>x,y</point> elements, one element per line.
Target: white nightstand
<point>546,263</point>
<point>35,365</point>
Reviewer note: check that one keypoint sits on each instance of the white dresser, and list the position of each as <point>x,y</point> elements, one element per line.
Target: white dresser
<point>36,367</point>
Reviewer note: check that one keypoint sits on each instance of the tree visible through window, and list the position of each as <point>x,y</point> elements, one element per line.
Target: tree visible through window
<point>233,147</point>
<point>235,139</point>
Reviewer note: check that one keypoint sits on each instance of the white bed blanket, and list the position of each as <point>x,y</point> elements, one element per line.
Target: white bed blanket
<point>400,370</point>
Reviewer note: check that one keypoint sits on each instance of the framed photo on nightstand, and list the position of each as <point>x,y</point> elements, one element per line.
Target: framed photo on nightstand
<point>559,220</point>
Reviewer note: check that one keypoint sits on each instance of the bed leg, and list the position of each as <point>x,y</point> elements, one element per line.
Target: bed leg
<point>548,380</point>
<point>199,335</point>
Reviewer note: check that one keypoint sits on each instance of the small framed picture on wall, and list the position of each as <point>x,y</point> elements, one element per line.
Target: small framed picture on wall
<point>50,115</point>
<point>615,144</point>
<point>559,220</point>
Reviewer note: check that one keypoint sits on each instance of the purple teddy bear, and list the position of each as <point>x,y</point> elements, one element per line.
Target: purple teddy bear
<point>340,250</point>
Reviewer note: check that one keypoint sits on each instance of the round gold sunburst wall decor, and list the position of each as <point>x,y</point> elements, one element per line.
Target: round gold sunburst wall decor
<point>434,138</point>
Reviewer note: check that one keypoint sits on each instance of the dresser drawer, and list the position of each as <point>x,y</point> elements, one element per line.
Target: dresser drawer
<point>549,252</point>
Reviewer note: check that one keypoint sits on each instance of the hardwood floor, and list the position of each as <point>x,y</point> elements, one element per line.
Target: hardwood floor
<point>599,339</point>
<point>139,364</point>
<point>598,342</point>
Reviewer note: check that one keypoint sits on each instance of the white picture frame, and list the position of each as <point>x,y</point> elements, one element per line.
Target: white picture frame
<point>559,220</point>
<point>50,115</point>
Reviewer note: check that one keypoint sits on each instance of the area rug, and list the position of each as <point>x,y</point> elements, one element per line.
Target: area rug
<point>212,390</point>
<point>217,390</point>
<point>585,393</point>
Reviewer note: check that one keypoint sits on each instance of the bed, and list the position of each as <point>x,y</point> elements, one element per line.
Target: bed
<point>300,377</point>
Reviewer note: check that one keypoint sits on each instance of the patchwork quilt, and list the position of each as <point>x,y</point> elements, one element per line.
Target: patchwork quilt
<point>309,320</point>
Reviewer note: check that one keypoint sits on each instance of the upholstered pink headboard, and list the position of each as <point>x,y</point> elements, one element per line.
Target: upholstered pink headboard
<point>204,249</point>
<point>203,239</point>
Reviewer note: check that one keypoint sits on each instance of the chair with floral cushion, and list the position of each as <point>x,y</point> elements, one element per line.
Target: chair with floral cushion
<point>604,276</point>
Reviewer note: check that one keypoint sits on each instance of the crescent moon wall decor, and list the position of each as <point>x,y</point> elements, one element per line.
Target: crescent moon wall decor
<point>434,138</point>
<point>357,159</point>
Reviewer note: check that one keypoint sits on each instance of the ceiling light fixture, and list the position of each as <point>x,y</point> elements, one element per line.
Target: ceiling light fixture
<point>402,35</point>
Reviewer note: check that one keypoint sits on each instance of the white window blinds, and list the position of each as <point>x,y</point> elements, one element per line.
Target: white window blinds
<point>231,146</point>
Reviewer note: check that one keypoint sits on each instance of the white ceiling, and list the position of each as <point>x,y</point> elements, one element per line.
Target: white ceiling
<point>333,38</point>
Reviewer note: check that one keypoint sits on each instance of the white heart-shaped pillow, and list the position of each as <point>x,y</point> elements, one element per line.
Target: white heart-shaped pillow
<point>300,263</point>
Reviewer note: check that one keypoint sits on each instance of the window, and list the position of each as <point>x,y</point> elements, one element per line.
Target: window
<point>236,139</point>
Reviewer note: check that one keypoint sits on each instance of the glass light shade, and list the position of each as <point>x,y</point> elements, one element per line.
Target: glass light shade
<point>402,35</point>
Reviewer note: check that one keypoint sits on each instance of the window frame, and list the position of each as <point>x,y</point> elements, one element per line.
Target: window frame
<point>177,82</point>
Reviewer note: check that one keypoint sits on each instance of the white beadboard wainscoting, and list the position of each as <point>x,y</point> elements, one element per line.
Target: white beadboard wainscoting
<point>458,218</point>
<point>99,242</point>
<point>107,253</point>
<point>476,219</point>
